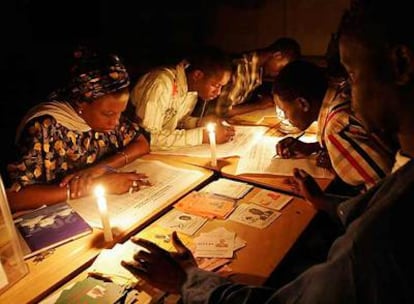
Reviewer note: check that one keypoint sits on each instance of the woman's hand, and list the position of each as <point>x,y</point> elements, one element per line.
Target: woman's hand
<point>87,174</point>
<point>118,183</point>
<point>114,183</point>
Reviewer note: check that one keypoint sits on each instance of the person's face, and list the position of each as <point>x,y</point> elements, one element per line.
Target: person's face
<point>274,64</point>
<point>295,112</point>
<point>209,87</point>
<point>373,94</point>
<point>103,114</point>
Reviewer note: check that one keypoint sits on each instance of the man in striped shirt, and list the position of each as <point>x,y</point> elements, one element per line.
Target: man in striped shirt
<point>249,71</point>
<point>357,157</point>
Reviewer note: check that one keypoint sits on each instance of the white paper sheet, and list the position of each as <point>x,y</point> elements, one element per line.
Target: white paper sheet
<point>259,159</point>
<point>246,136</point>
<point>127,209</point>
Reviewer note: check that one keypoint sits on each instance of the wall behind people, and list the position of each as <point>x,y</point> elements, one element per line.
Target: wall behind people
<point>248,24</point>
<point>38,35</point>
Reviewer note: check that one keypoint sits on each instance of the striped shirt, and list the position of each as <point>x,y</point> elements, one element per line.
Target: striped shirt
<point>246,77</point>
<point>357,156</point>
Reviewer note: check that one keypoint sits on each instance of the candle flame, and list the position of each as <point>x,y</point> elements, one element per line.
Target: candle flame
<point>211,127</point>
<point>99,191</point>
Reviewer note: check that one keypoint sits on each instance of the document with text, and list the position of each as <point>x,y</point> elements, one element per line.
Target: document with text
<point>259,159</point>
<point>246,136</point>
<point>125,209</point>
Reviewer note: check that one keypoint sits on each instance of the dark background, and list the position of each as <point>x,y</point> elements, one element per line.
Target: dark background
<point>38,37</point>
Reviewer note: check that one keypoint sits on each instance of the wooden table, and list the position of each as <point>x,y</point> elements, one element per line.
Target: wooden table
<point>68,260</point>
<point>264,250</point>
<point>266,247</point>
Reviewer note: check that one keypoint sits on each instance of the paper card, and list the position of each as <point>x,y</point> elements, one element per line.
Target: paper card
<point>206,204</point>
<point>228,188</point>
<point>182,222</point>
<point>270,199</point>
<point>91,290</point>
<point>238,241</point>
<point>254,215</point>
<point>162,237</point>
<point>214,246</point>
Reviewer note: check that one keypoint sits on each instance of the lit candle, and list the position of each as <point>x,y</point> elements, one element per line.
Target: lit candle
<point>103,210</point>
<point>212,138</point>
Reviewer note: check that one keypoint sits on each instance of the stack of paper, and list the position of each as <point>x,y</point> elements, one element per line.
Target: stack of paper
<point>219,243</point>
<point>206,204</point>
<point>228,188</point>
<point>108,263</point>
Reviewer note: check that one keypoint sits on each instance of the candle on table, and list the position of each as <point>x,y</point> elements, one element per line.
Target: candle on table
<point>212,138</point>
<point>103,210</point>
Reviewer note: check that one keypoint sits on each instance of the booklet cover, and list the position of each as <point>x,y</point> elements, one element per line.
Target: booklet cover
<point>49,227</point>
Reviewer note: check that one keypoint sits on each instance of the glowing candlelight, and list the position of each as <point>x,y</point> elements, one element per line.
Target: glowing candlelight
<point>103,210</point>
<point>212,138</point>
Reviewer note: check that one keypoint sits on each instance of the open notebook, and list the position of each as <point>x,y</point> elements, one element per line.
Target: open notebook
<point>49,227</point>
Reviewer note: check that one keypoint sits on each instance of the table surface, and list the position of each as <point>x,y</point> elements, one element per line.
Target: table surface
<point>67,260</point>
<point>269,245</point>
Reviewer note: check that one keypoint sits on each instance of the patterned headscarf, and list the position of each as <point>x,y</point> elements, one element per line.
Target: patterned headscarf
<point>94,75</point>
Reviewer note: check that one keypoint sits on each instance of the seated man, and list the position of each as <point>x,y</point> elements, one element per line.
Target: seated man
<point>372,261</point>
<point>358,158</point>
<point>250,70</point>
<point>165,97</point>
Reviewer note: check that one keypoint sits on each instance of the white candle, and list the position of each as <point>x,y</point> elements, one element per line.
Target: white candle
<point>212,139</point>
<point>103,210</point>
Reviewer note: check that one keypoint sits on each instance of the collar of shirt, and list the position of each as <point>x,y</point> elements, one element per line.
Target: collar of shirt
<point>400,160</point>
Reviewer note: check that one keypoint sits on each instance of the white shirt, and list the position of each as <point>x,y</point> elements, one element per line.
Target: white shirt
<point>163,104</point>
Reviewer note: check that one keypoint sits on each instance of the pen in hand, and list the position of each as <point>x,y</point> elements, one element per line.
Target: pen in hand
<point>296,138</point>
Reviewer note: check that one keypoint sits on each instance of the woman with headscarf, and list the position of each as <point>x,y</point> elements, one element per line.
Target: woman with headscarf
<point>78,138</point>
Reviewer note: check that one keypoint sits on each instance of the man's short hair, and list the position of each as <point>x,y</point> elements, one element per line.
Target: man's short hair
<point>287,46</point>
<point>209,60</point>
<point>300,78</point>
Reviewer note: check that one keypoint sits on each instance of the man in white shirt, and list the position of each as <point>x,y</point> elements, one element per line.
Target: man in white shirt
<point>165,97</point>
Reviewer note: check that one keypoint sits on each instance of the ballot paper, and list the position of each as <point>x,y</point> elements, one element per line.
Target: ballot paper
<point>245,137</point>
<point>218,243</point>
<point>260,159</point>
<point>206,205</point>
<point>228,188</point>
<point>216,246</point>
<point>182,222</point>
<point>254,215</point>
<point>270,199</point>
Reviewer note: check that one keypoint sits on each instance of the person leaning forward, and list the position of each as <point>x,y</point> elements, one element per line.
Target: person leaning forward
<point>372,261</point>
<point>78,138</point>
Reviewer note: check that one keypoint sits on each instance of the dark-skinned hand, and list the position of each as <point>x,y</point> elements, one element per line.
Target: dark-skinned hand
<point>162,269</point>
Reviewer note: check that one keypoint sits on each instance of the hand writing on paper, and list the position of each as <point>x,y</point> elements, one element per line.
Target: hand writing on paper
<point>291,147</point>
